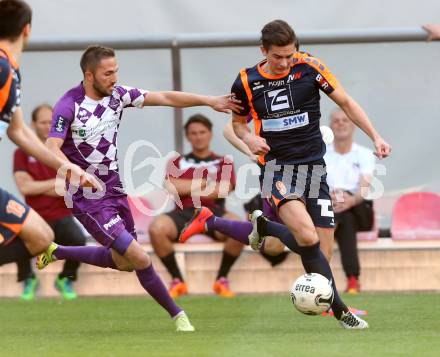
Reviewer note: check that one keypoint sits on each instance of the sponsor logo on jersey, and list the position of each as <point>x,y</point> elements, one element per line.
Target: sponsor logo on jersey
<point>84,115</point>
<point>281,187</point>
<point>294,77</point>
<point>322,82</point>
<point>276,83</point>
<point>60,123</point>
<point>278,99</point>
<point>286,123</point>
<point>112,222</point>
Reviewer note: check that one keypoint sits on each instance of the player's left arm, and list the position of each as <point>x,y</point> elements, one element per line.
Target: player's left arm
<point>223,103</point>
<point>358,116</point>
<point>234,140</point>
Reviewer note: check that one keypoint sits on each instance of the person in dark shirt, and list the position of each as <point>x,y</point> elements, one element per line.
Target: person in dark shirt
<point>195,173</point>
<point>36,182</point>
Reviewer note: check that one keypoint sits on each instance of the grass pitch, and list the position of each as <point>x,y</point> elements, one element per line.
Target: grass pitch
<point>263,325</point>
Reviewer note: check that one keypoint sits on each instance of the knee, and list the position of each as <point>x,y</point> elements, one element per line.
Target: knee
<point>233,244</point>
<point>47,235</point>
<point>328,253</point>
<point>156,229</point>
<point>306,235</point>
<point>125,266</point>
<point>273,246</point>
<point>141,262</point>
<point>138,258</point>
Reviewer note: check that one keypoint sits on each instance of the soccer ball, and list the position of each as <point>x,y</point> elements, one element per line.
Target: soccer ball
<point>312,294</point>
<point>327,134</point>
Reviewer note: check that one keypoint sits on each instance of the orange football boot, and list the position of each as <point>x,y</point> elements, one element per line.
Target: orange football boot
<point>196,225</point>
<point>221,288</point>
<point>178,288</point>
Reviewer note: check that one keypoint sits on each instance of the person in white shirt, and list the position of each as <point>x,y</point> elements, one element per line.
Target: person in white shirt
<point>350,168</point>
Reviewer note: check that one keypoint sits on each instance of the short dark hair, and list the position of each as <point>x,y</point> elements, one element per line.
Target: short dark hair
<point>14,16</point>
<point>37,110</point>
<point>278,33</point>
<point>198,118</point>
<point>93,55</point>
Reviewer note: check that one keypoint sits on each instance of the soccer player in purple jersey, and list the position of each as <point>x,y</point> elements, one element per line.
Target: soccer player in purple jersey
<point>23,233</point>
<point>282,93</point>
<point>84,131</point>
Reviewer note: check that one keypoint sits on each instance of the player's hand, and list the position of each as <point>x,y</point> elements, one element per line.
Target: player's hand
<point>383,149</point>
<point>226,103</point>
<point>253,158</point>
<point>256,144</point>
<point>433,31</point>
<point>85,179</point>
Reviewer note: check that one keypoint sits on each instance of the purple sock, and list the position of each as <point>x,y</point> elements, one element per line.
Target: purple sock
<point>99,256</point>
<point>237,230</point>
<point>155,287</point>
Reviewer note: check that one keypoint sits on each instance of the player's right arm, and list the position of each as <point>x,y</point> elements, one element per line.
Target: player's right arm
<point>26,139</point>
<point>85,179</point>
<point>256,144</point>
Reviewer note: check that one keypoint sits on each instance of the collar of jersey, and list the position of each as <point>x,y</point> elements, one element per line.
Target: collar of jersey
<point>9,57</point>
<point>267,75</point>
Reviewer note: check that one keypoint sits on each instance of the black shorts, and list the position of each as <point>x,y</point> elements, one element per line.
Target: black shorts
<point>181,217</point>
<point>13,214</point>
<point>305,182</point>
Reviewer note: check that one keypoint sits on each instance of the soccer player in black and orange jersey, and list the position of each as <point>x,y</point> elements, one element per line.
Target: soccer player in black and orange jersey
<point>16,218</point>
<point>282,95</point>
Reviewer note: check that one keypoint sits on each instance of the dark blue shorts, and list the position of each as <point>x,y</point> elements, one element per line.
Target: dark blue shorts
<point>13,214</point>
<point>305,182</point>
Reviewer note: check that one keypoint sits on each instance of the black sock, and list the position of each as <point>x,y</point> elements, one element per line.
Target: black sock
<point>13,252</point>
<point>315,262</point>
<point>225,266</point>
<point>275,260</point>
<point>280,231</point>
<point>170,263</point>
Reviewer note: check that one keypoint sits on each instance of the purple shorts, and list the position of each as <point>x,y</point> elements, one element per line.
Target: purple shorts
<point>105,218</point>
<point>270,211</point>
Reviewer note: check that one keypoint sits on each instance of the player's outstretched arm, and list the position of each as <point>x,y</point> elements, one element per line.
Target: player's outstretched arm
<point>358,116</point>
<point>433,31</point>
<point>235,141</point>
<point>223,103</point>
<point>27,140</point>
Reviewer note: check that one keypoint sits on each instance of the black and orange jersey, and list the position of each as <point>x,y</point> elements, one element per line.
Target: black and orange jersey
<point>9,89</point>
<point>286,108</point>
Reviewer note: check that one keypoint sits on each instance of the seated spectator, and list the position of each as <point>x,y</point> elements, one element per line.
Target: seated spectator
<point>36,182</point>
<point>349,171</point>
<point>200,180</point>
